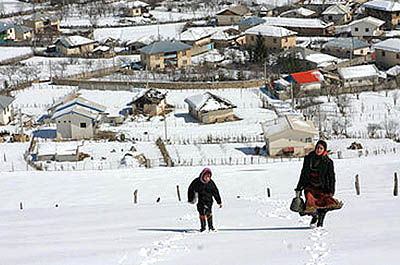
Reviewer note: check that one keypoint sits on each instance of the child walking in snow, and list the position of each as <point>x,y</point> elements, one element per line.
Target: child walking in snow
<point>205,189</point>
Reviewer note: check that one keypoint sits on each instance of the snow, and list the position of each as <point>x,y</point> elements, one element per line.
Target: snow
<point>359,71</point>
<point>165,31</point>
<point>12,52</point>
<point>88,217</point>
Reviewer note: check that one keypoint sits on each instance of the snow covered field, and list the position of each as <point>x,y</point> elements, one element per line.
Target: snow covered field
<point>11,52</point>
<point>89,218</point>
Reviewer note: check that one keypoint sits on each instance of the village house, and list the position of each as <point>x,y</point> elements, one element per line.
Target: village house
<point>231,16</point>
<point>388,11</point>
<point>77,119</point>
<point>23,33</point>
<point>150,102</point>
<point>303,26</point>
<point>210,108</point>
<point>366,27</point>
<point>74,45</point>
<point>305,81</point>
<point>230,37</point>
<point>289,136</point>
<point>42,22</point>
<point>136,8</point>
<point>249,22</point>
<point>338,14</point>
<point>163,54</point>
<point>7,32</point>
<point>344,47</point>
<point>359,75</point>
<point>313,59</point>
<point>6,114</point>
<point>199,38</point>
<point>103,52</point>
<point>138,43</point>
<point>274,38</point>
<point>387,52</point>
<point>299,13</point>
<point>320,5</point>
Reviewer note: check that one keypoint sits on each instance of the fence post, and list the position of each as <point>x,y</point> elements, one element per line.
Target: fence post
<point>268,192</point>
<point>357,184</point>
<point>21,206</point>
<point>135,196</point>
<point>396,185</point>
<point>178,192</point>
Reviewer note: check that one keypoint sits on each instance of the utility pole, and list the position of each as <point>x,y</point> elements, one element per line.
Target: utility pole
<point>292,94</point>
<point>165,127</point>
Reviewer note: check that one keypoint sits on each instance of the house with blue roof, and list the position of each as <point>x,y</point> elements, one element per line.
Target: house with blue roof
<point>344,47</point>
<point>78,119</point>
<point>248,22</point>
<point>165,54</point>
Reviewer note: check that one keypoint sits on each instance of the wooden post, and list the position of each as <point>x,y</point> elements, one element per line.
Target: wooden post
<point>20,206</point>
<point>357,184</point>
<point>135,196</point>
<point>268,192</point>
<point>396,185</point>
<point>178,192</point>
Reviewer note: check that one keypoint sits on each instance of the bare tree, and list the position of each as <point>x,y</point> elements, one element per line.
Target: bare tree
<point>390,126</point>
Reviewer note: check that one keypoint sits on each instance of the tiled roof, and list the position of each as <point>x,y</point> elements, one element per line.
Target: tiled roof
<point>266,30</point>
<point>346,43</point>
<point>307,77</point>
<point>383,5</point>
<point>164,47</point>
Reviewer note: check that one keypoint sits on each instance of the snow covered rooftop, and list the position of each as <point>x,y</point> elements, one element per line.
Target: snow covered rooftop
<point>285,123</point>
<point>358,71</point>
<point>164,47</point>
<point>296,22</point>
<point>369,20</point>
<point>226,34</point>
<point>273,31</point>
<point>76,109</point>
<point>102,48</point>
<point>389,6</point>
<point>322,58</point>
<point>83,102</point>
<point>208,102</point>
<point>394,71</point>
<point>151,94</point>
<point>73,41</point>
<point>300,11</point>
<point>346,43</point>
<point>392,45</point>
<point>52,148</point>
<point>338,9</point>
<point>197,33</point>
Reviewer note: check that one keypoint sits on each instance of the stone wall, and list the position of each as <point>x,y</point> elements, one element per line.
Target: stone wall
<point>119,85</point>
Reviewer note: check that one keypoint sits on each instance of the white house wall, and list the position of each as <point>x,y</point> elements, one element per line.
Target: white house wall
<point>69,127</point>
<point>5,116</point>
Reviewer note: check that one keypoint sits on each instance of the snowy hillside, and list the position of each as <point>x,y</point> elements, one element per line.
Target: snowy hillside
<point>89,218</point>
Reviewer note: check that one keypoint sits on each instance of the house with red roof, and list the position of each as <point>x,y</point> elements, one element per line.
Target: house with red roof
<point>306,81</point>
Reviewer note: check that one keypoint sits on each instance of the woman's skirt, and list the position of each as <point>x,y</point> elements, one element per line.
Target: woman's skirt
<point>316,199</point>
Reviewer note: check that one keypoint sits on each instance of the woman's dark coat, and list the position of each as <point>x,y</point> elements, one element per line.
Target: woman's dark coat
<point>325,170</point>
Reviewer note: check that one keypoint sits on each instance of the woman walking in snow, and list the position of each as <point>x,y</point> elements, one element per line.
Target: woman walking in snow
<point>317,179</point>
<point>205,189</point>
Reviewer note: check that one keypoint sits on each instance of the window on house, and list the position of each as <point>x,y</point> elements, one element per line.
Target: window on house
<point>275,40</point>
<point>252,38</point>
<point>330,17</point>
<point>355,29</point>
<point>367,30</point>
<point>83,125</point>
<point>383,53</point>
<point>359,81</point>
<point>397,56</point>
<point>59,121</point>
<point>308,140</point>
<point>65,121</point>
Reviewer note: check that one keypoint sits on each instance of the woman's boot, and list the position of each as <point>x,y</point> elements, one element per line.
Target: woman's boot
<point>210,223</point>
<point>203,223</point>
<point>321,217</point>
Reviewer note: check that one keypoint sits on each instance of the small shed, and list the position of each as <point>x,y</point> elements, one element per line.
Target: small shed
<point>210,108</point>
<point>149,101</point>
<point>289,136</point>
